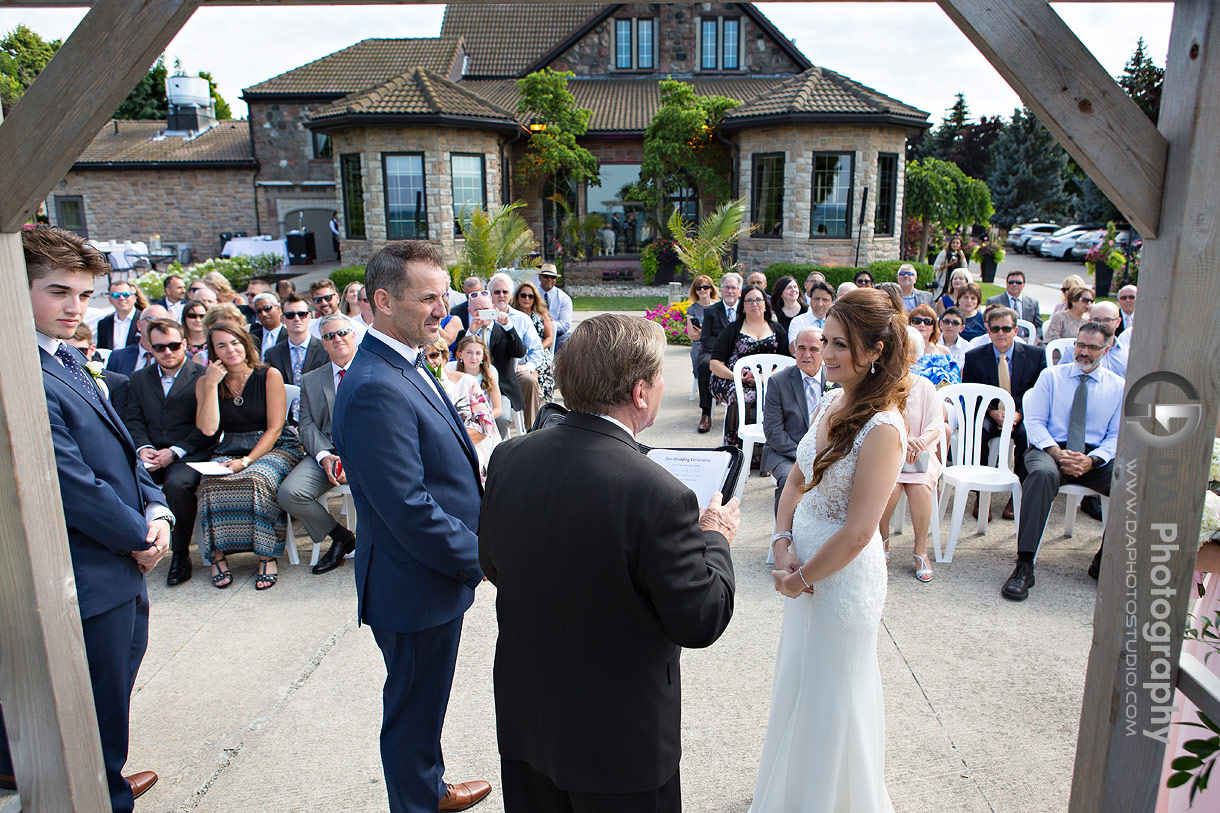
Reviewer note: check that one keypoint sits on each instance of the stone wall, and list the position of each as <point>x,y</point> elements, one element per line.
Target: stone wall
<point>436,144</point>
<point>677,39</point>
<point>798,143</point>
<point>289,177</point>
<point>181,205</point>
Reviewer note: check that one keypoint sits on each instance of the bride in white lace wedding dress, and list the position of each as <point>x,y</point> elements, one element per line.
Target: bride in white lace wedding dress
<point>825,743</point>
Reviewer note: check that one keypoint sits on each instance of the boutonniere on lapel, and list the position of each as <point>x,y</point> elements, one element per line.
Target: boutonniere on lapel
<point>827,386</point>
<point>95,369</point>
<point>436,372</point>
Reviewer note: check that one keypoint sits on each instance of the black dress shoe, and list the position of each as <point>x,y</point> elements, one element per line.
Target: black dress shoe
<point>1018,584</point>
<point>1091,505</point>
<point>342,543</point>
<point>7,782</point>
<point>1095,568</point>
<point>179,569</point>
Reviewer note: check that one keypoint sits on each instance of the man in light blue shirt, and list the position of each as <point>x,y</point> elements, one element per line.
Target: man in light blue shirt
<point>1073,436</point>
<point>501,288</point>
<point>557,302</point>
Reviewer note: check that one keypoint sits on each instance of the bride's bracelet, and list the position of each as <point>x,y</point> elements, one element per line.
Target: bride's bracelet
<point>781,535</point>
<point>799,572</point>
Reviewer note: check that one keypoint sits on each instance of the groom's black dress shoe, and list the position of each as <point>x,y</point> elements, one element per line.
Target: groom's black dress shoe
<point>1018,584</point>
<point>179,569</point>
<point>342,543</point>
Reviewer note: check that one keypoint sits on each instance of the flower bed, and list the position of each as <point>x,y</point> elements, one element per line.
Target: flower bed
<point>673,319</point>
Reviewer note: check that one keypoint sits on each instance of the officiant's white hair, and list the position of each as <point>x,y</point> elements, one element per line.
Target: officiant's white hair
<point>603,359</point>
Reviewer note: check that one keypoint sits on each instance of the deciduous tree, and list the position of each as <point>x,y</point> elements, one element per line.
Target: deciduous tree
<point>556,122</point>
<point>939,192</point>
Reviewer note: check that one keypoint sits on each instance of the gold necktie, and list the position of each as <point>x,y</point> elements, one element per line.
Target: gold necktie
<point>1002,372</point>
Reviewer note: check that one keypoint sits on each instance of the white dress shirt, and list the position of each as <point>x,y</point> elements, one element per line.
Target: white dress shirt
<point>618,423</point>
<point>408,353</point>
<point>1047,408</point>
<point>144,358</point>
<point>1128,320</point>
<point>560,306</point>
<point>175,310</point>
<point>533,343</point>
<point>957,351</point>
<point>270,337</point>
<point>121,329</point>
<point>802,321</point>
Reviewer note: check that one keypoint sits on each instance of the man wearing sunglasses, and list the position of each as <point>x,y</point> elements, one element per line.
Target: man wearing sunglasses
<point>121,328</point>
<point>1012,366</point>
<point>911,298</point>
<point>1126,304</point>
<point>1024,305</point>
<point>270,328</point>
<point>137,356</point>
<point>302,353</point>
<point>321,469</point>
<point>161,419</point>
<point>325,298</point>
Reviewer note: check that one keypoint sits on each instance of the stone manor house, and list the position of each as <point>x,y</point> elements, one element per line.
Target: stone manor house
<point>398,135</point>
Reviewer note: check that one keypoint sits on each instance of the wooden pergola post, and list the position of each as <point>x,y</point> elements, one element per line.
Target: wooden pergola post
<point>1167,182</point>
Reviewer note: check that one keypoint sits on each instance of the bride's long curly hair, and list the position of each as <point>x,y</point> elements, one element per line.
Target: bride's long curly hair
<point>868,318</point>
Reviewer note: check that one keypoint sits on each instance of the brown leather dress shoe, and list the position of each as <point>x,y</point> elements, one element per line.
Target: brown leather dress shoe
<point>140,782</point>
<point>464,795</point>
<point>705,423</point>
<point>1007,510</point>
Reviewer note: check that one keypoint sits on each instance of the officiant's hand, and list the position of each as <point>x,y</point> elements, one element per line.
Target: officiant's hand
<point>724,519</point>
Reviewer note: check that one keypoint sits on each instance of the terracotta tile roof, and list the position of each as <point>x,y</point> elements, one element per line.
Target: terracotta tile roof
<point>822,92</point>
<point>416,92</point>
<point>626,104</point>
<point>143,142</point>
<point>502,40</point>
<point>363,65</point>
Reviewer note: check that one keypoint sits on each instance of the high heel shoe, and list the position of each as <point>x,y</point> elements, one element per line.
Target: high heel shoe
<point>885,546</point>
<point>923,571</point>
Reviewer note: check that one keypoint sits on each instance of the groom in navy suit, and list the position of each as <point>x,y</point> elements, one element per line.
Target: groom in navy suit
<point>415,481</point>
<point>118,523</point>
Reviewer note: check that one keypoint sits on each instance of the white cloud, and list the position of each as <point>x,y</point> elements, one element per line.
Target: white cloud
<point>910,51</point>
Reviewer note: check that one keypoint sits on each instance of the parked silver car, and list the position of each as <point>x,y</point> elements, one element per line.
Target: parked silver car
<point>1019,235</point>
<point>1058,245</point>
<point>1092,239</point>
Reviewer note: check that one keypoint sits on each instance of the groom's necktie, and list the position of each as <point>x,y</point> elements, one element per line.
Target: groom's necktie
<point>77,372</point>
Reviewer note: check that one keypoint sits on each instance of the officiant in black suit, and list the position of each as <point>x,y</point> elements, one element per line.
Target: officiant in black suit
<point>587,686</point>
<point>160,416</point>
<point>792,396</point>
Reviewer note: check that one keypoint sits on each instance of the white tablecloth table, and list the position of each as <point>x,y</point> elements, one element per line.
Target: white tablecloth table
<point>116,252</point>
<point>250,246</point>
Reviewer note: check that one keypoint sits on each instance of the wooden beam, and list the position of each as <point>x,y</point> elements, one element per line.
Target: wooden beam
<point>44,679</point>
<point>1199,685</point>
<point>1156,505</point>
<point>76,94</point>
<point>1071,93</point>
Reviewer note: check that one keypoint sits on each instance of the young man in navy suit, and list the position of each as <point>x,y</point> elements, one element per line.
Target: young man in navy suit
<point>415,481</point>
<point>118,522</point>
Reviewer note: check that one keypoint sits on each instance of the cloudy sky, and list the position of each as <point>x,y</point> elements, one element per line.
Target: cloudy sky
<point>910,51</point>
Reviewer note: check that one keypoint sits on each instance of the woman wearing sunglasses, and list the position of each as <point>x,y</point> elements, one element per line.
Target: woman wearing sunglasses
<point>528,299</point>
<point>193,331</point>
<point>1065,324</point>
<point>1069,282</point>
<point>936,364</point>
<point>703,294</point>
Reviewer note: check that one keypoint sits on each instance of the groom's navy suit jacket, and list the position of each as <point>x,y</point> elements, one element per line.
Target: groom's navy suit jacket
<point>415,481</point>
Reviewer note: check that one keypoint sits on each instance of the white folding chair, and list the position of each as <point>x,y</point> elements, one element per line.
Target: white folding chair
<point>896,523</point>
<point>1075,493</point>
<point>969,402</point>
<point>293,393</point>
<point>1059,346</point>
<point>349,513</point>
<point>1027,332</point>
<point>762,366</point>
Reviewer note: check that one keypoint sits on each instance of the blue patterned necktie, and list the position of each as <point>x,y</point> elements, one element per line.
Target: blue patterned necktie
<point>810,399</point>
<point>298,362</point>
<point>78,372</point>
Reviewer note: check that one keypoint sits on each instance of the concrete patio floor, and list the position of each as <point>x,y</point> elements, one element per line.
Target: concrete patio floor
<point>271,701</point>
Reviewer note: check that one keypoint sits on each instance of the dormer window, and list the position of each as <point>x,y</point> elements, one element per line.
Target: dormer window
<point>720,44</point>
<point>634,43</point>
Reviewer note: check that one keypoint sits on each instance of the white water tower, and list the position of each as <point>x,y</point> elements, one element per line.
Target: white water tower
<point>190,103</point>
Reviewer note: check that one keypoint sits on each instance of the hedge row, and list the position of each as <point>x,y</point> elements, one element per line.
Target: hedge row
<point>882,271</point>
<point>342,277</point>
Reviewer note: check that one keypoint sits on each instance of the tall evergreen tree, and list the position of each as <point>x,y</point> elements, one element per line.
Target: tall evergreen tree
<point>948,134</point>
<point>1028,174</point>
<point>972,152</point>
<point>1143,81</point>
<point>148,100</point>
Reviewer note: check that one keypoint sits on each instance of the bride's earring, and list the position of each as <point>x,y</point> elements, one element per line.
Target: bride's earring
<point>872,367</point>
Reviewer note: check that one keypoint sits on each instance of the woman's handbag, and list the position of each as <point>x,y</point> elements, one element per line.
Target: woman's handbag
<point>237,444</point>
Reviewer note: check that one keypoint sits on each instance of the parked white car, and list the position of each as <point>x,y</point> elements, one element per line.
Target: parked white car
<point>1020,234</point>
<point>1059,244</point>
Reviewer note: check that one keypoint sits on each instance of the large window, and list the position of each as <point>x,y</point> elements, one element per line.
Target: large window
<point>767,207</point>
<point>832,176</point>
<point>887,194</point>
<point>321,145</point>
<point>620,231</point>
<point>645,44</point>
<point>622,44</point>
<point>707,44</point>
<point>353,195</point>
<point>468,188</point>
<point>70,214</point>
<point>729,33</point>
<point>406,208</point>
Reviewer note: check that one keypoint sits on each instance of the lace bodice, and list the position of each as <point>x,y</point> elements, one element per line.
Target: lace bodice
<point>834,491</point>
<point>856,593</point>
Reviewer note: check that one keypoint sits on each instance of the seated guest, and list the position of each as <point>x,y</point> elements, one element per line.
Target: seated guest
<point>302,353</point>
<point>716,318</point>
<point>936,363</point>
<point>225,312</point>
<point>892,290</point>
<point>193,333</point>
<point>951,323</point>
<point>119,329</point>
<point>134,357</point>
<point>844,287</point>
<point>175,296</point>
<point>921,470</point>
<point>863,279</point>
<point>200,291</point>
<point>285,287</point>
<point>469,399</point>
<point>911,296</point>
<point>1066,323</point>
<point>528,299</point>
<point>365,315</point>
<point>113,385</point>
<point>787,302</point>
<point>1073,414</point>
<point>501,288</point>
<point>1022,304</point>
<point>269,331</point>
<point>557,302</point>
<point>226,294</point>
<point>462,310</point>
<point>821,297</point>
<point>753,332</point>
<point>792,396</point>
<point>348,302</point>
<point>474,360</point>
<point>956,283</point>
<point>968,301</point>
<point>504,346</point>
<point>326,301</point>
<point>161,419</point>
<point>758,279</point>
<point>245,399</point>
<point>702,295</point>
<point>1011,366</point>
<point>320,469</point>
<point>1115,359</point>
<point>1126,303</point>
<point>1069,282</point>
<point>451,328</point>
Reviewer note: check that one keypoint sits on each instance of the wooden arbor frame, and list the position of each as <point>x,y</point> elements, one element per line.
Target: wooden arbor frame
<point>1166,181</point>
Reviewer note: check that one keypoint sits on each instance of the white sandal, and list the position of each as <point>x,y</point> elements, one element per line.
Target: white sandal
<point>924,573</point>
<point>885,546</point>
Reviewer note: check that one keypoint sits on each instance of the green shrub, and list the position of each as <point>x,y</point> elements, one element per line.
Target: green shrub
<point>343,277</point>
<point>649,263</point>
<point>887,271</point>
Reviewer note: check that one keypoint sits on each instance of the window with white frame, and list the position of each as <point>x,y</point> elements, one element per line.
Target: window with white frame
<point>720,44</point>
<point>622,45</point>
<point>645,44</point>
